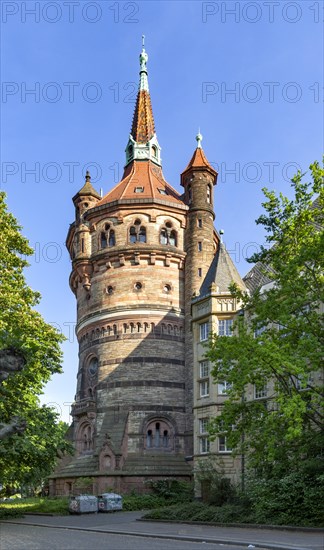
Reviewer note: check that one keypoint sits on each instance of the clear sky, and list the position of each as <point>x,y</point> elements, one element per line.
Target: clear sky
<point>249,74</point>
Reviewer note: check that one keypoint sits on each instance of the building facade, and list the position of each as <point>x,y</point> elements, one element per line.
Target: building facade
<point>139,255</point>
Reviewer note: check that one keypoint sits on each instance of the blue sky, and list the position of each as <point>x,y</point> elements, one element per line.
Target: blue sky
<point>249,74</point>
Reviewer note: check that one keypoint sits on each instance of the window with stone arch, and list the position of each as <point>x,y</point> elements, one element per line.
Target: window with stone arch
<point>159,435</point>
<point>168,235</point>
<point>137,232</point>
<point>85,439</point>
<point>107,236</point>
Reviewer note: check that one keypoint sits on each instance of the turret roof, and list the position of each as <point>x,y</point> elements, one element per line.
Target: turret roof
<point>87,189</point>
<point>199,160</point>
<point>222,273</point>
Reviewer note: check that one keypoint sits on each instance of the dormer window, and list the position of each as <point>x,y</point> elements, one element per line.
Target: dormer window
<point>162,191</point>
<point>139,190</point>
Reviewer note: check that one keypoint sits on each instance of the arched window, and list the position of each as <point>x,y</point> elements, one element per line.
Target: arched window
<point>107,237</point>
<point>103,240</point>
<point>173,238</point>
<point>154,151</point>
<point>149,439</point>
<point>168,235</point>
<point>142,235</point>
<point>137,233</point>
<point>132,235</point>
<point>158,435</point>
<point>163,236</point>
<point>112,240</point>
<point>93,367</point>
<point>85,438</point>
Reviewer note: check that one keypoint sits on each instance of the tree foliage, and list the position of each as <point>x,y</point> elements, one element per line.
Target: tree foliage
<point>29,354</point>
<point>278,341</point>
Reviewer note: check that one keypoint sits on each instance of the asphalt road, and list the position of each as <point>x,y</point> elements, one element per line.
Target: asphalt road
<point>29,537</point>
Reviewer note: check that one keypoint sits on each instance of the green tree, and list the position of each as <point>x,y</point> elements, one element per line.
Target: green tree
<point>29,354</point>
<point>278,341</point>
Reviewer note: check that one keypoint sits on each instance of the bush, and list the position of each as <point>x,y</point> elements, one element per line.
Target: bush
<point>134,502</point>
<point>294,499</point>
<point>173,489</point>
<point>202,512</point>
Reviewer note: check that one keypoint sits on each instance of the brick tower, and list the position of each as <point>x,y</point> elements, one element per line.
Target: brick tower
<point>138,254</point>
<point>200,244</point>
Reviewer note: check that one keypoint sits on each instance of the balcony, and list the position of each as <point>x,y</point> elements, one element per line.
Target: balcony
<point>83,406</point>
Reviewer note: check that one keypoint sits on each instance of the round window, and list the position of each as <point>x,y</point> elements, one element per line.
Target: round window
<point>109,290</point>
<point>138,286</point>
<point>167,288</point>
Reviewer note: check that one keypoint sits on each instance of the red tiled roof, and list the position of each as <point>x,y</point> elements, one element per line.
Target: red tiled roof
<point>199,160</point>
<point>142,174</point>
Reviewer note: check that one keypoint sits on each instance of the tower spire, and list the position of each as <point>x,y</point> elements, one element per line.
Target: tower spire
<point>143,144</point>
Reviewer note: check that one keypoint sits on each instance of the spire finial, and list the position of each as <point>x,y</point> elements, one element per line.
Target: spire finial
<point>221,232</point>
<point>87,176</point>
<point>199,139</point>
<point>143,71</point>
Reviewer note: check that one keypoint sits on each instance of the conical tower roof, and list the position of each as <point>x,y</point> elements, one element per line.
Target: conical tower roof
<point>87,190</point>
<point>222,273</point>
<point>199,161</point>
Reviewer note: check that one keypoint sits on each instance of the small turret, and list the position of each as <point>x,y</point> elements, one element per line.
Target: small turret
<point>198,180</point>
<point>86,198</point>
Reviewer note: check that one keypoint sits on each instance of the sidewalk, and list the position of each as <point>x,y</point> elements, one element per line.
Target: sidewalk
<point>127,522</point>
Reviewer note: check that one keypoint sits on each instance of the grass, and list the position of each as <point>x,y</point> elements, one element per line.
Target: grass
<point>42,505</point>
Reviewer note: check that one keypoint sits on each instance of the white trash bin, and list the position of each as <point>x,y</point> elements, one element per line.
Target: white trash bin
<point>83,504</point>
<point>108,502</point>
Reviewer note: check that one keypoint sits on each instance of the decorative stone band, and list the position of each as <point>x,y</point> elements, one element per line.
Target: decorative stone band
<point>109,315</point>
<point>139,384</point>
<point>144,408</point>
<point>142,336</point>
<point>146,359</point>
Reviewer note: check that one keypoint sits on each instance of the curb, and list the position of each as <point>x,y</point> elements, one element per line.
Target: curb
<point>239,525</point>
